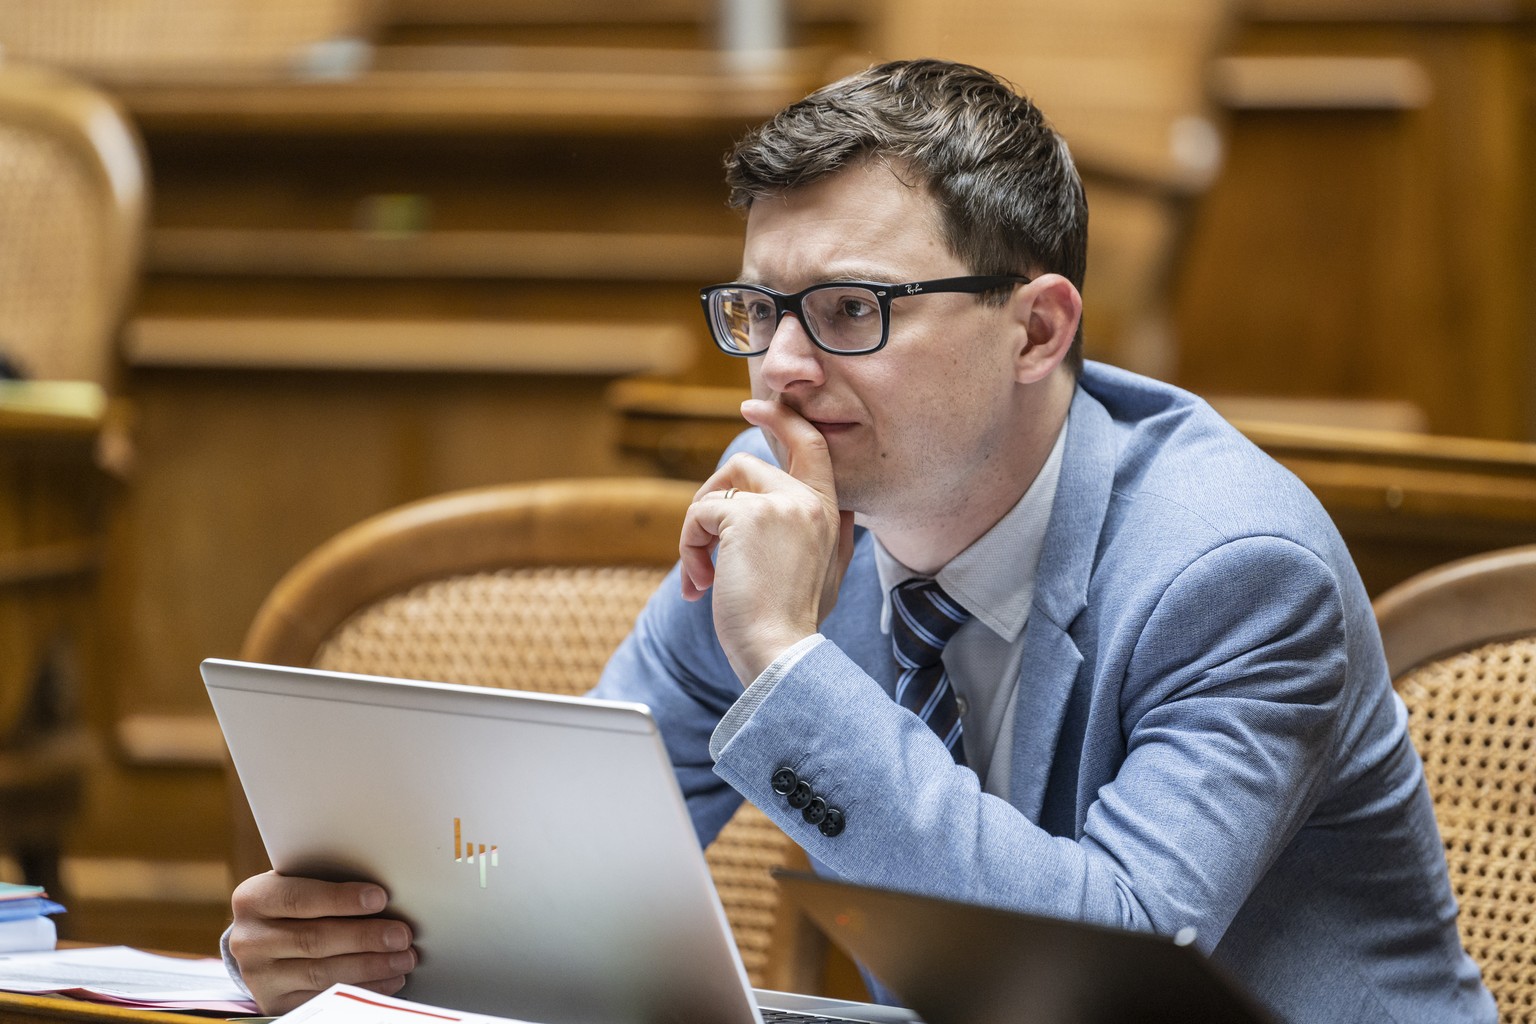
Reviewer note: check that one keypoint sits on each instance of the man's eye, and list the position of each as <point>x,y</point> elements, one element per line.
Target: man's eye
<point>759,311</point>
<point>855,307</point>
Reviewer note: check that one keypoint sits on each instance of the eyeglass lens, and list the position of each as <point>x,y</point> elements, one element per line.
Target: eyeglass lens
<point>842,317</point>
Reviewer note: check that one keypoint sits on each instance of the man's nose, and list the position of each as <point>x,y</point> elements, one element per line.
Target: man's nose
<point>792,356</point>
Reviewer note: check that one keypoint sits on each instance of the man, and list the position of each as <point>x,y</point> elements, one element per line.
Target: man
<point>1136,679</point>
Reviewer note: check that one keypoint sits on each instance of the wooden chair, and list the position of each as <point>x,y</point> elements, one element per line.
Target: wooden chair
<point>72,201</point>
<point>156,39</point>
<point>1461,646</point>
<point>72,213</point>
<point>529,586</point>
<point>1126,83</point>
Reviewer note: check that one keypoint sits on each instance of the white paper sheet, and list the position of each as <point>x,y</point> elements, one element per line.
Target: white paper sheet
<point>120,974</point>
<point>346,1004</point>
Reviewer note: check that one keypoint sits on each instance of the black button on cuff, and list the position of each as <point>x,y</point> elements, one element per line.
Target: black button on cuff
<point>801,795</point>
<point>815,811</point>
<point>784,781</point>
<point>832,824</point>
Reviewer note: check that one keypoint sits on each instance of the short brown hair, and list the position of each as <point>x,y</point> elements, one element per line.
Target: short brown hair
<point>1009,195</point>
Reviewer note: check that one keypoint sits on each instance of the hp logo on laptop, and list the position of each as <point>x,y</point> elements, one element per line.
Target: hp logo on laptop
<point>465,853</point>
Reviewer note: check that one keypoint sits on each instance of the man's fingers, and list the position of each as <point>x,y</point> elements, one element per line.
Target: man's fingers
<point>271,940</point>
<point>278,896</point>
<point>741,473</point>
<point>287,983</point>
<point>294,937</point>
<point>699,536</point>
<point>807,458</point>
<point>285,962</point>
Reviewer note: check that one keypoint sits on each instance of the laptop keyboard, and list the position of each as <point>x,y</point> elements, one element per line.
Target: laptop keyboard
<point>795,1017</point>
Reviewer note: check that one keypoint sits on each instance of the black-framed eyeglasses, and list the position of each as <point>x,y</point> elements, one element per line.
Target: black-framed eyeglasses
<point>845,318</point>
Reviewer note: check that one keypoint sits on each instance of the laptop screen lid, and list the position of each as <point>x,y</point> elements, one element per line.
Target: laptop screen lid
<point>958,963</point>
<point>537,844</point>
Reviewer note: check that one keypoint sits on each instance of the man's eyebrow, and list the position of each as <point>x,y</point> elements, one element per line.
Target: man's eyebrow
<point>869,274</point>
<point>856,276</point>
<point>857,272</point>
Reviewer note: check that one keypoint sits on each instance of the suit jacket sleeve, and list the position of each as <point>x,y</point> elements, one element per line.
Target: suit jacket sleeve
<point>1227,706</point>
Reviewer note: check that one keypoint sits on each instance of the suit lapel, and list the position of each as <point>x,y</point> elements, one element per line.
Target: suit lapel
<point>1051,658</point>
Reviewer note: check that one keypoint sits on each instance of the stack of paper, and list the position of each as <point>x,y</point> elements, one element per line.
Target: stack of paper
<point>25,923</point>
<point>127,977</point>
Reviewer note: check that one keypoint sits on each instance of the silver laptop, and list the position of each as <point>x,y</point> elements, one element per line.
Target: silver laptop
<point>538,845</point>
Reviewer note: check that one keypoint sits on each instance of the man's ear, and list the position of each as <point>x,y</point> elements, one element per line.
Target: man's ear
<point>1048,309</point>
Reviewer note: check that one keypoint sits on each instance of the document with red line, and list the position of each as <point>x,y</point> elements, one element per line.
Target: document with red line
<point>347,1004</point>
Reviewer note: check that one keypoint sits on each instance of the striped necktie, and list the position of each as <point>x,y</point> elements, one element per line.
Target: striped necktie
<point>923,620</point>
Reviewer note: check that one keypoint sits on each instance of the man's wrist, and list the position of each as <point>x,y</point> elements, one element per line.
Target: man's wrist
<point>757,691</point>
<point>764,648</point>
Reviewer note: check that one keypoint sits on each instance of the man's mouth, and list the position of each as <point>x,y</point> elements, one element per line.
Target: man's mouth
<point>831,426</point>
<point>822,422</point>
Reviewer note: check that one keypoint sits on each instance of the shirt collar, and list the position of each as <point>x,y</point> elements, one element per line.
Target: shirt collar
<point>994,578</point>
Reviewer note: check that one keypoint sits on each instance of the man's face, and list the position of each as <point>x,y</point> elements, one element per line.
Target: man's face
<point>925,421</point>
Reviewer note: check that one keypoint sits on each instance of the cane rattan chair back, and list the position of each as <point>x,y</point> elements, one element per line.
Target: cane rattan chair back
<point>531,586</point>
<point>72,203</point>
<point>158,39</point>
<point>1461,646</point>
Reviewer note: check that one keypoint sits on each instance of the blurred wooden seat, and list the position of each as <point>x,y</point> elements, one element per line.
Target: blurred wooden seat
<point>71,217</point>
<point>1461,647</point>
<point>117,39</point>
<point>1126,83</point>
<point>72,209</point>
<point>529,586</point>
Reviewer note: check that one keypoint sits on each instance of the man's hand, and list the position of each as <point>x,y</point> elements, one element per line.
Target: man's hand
<point>781,543</point>
<point>295,937</point>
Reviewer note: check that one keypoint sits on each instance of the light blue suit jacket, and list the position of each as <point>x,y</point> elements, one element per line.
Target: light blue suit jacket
<point>1206,734</point>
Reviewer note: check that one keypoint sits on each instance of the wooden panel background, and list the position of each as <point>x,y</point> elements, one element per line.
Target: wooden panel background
<point>1370,236</point>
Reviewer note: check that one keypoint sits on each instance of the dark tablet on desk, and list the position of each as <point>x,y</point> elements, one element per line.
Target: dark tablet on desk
<point>957,963</point>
